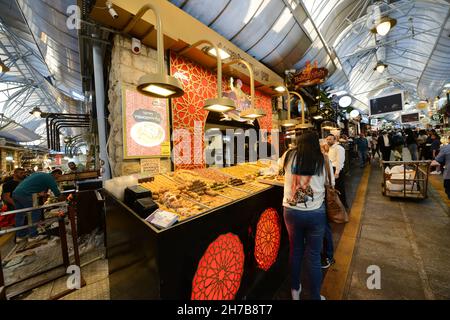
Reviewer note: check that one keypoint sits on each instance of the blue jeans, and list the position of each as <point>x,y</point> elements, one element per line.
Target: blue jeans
<point>329,249</point>
<point>362,157</point>
<point>306,230</point>
<point>22,202</point>
<point>413,150</point>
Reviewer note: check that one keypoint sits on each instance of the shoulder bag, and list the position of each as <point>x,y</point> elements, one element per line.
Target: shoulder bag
<point>335,209</point>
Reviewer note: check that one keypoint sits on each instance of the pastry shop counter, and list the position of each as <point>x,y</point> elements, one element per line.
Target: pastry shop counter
<point>150,263</point>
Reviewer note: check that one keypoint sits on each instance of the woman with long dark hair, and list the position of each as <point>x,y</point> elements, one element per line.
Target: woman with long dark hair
<point>304,210</point>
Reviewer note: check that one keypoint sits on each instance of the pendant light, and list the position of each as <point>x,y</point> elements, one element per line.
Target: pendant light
<point>3,67</point>
<point>303,124</point>
<point>252,112</point>
<point>159,85</point>
<point>288,122</point>
<point>219,104</point>
<point>380,67</point>
<point>384,25</point>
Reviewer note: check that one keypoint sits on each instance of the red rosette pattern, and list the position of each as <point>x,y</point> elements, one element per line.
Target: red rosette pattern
<point>199,84</point>
<point>267,241</point>
<point>219,272</point>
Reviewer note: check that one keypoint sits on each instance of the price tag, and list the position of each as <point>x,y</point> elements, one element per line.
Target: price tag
<point>151,166</point>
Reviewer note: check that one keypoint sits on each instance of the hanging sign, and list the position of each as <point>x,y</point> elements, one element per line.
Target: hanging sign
<point>310,76</point>
<point>146,131</point>
<point>437,117</point>
<point>410,117</point>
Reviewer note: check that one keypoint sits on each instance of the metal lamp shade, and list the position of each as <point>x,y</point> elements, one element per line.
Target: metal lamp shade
<point>219,105</point>
<point>252,113</point>
<point>160,86</point>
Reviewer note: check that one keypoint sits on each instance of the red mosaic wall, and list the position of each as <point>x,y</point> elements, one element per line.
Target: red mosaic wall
<point>200,84</point>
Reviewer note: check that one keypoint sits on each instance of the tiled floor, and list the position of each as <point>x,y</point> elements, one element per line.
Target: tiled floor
<point>18,265</point>
<point>408,240</point>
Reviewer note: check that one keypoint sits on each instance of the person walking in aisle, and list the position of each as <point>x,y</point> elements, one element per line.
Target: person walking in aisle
<point>336,154</point>
<point>304,211</point>
<point>363,147</point>
<point>397,144</point>
<point>421,141</point>
<point>435,148</point>
<point>411,142</point>
<point>374,146</point>
<point>385,144</point>
<point>443,160</point>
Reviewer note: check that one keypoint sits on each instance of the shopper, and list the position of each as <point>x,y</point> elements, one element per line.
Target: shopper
<point>385,145</point>
<point>73,168</point>
<point>23,198</point>
<point>427,150</point>
<point>336,154</point>
<point>411,143</point>
<point>443,159</point>
<point>421,141</point>
<point>397,144</point>
<point>435,148</point>
<point>374,146</point>
<point>363,147</point>
<point>10,186</point>
<point>304,211</point>
<point>7,190</point>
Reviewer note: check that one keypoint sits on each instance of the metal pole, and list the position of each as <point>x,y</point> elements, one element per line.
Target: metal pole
<point>100,106</point>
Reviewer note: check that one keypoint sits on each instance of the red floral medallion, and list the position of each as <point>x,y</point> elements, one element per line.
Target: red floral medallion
<point>220,270</point>
<point>267,242</point>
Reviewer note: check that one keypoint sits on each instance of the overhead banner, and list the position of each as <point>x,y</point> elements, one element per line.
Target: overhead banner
<point>146,130</point>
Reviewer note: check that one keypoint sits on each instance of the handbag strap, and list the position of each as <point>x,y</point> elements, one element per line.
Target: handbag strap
<point>327,168</point>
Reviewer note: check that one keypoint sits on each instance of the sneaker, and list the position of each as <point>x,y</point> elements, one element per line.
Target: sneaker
<point>296,293</point>
<point>322,297</point>
<point>327,263</point>
<point>37,238</point>
<point>435,172</point>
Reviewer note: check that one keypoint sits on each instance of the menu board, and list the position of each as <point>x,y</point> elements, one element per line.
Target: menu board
<point>146,130</point>
<point>410,117</point>
<point>386,104</point>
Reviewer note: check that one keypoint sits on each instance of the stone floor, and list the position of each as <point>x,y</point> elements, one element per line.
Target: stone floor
<point>408,240</point>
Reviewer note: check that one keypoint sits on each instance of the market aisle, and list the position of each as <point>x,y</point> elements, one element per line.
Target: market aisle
<point>408,241</point>
<point>352,184</point>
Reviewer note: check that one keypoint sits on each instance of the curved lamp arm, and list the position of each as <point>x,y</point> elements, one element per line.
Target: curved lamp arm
<point>219,62</point>
<point>302,102</point>
<point>252,82</point>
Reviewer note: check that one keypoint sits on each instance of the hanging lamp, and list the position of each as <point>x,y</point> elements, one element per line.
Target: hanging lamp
<point>159,85</point>
<point>303,124</point>
<point>252,112</point>
<point>219,104</point>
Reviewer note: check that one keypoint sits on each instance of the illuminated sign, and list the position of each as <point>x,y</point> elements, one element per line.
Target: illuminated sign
<point>145,125</point>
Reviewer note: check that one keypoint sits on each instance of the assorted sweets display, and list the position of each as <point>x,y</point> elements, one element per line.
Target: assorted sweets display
<point>188,193</point>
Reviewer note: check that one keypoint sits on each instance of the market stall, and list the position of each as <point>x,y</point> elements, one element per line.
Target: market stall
<point>148,262</point>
